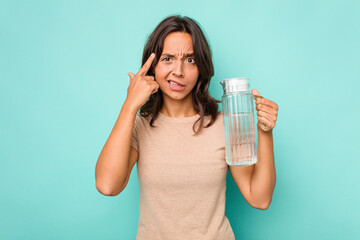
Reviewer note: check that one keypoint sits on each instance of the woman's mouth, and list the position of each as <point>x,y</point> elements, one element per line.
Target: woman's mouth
<point>175,86</point>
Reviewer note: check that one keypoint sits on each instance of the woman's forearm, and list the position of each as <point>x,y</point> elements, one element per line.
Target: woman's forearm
<point>113,163</point>
<point>264,177</point>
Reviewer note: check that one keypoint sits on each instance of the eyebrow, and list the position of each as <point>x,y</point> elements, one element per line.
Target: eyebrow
<point>171,55</point>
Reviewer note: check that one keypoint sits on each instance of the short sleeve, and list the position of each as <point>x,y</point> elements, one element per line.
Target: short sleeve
<point>134,137</point>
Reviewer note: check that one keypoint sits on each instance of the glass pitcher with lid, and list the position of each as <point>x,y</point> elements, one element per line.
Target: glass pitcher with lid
<point>239,126</point>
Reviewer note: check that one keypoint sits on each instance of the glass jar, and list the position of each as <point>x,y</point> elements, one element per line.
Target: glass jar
<point>239,125</point>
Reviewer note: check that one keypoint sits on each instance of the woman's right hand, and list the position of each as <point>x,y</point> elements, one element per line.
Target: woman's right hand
<point>141,86</point>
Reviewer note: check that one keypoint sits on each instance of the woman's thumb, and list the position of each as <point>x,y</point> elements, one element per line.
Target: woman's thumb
<point>255,92</point>
<point>131,75</point>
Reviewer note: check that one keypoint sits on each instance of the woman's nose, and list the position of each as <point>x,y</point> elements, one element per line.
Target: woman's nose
<point>178,69</point>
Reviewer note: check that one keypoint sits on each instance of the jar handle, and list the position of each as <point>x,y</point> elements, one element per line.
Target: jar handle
<point>262,125</point>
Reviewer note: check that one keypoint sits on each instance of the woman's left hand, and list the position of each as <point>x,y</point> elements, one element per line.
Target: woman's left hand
<point>267,112</point>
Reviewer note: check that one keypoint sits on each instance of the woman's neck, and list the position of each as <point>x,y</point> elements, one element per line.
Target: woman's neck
<point>176,108</point>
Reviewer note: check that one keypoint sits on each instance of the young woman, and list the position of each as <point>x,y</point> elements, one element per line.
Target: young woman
<point>178,141</point>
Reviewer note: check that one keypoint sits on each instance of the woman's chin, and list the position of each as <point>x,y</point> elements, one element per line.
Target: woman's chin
<point>175,96</point>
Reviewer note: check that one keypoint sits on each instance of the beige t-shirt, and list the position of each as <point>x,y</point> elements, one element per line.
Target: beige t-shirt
<point>182,179</point>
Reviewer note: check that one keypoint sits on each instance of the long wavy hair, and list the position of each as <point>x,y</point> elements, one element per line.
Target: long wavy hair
<point>203,103</point>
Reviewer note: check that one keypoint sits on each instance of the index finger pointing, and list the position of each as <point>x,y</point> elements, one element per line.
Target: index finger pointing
<point>145,68</point>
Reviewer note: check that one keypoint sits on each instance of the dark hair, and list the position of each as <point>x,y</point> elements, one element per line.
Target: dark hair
<point>204,104</point>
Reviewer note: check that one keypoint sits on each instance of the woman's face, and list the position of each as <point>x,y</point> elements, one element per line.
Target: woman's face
<point>176,71</point>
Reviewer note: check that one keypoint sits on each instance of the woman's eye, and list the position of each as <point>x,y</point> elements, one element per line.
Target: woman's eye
<point>193,60</point>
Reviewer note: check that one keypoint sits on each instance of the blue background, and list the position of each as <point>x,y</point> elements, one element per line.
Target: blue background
<point>63,72</point>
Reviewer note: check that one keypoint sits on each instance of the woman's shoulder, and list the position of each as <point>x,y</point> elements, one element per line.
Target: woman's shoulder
<point>219,115</point>
<point>218,120</point>
<point>217,126</point>
<point>141,120</point>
